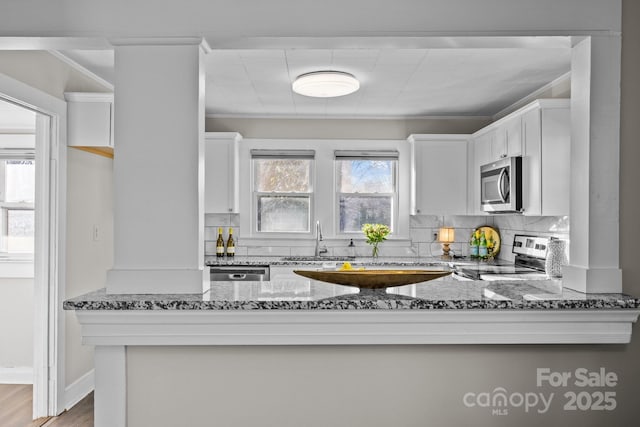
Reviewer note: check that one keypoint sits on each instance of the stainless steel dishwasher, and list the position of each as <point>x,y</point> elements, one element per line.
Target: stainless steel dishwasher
<point>242,273</point>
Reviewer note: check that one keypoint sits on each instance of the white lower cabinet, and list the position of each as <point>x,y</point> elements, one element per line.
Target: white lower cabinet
<point>221,172</point>
<point>439,174</point>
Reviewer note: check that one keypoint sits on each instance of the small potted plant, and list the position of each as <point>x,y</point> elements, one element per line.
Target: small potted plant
<point>375,234</point>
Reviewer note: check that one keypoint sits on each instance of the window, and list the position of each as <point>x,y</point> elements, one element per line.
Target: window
<point>366,189</point>
<point>17,197</point>
<point>282,190</point>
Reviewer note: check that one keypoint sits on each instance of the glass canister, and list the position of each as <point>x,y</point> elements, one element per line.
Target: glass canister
<point>556,258</point>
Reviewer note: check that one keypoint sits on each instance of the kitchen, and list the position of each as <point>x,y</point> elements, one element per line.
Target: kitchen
<point>399,356</point>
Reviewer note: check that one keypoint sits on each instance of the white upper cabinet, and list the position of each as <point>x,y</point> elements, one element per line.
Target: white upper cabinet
<point>439,174</point>
<point>221,172</point>
<point>547,158</point>
<point>540,133</point>
<point>482,145</point>
<point>89,119</point>
<point>506,139</point>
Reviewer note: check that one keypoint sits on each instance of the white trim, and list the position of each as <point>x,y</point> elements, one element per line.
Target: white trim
<point>79,389</point>
<point>338,117</point>
<point>157,41</point>
<point>49,324</point>
<point>21,375</point>
<point>532,96</point>
<point>537,104</point>
<point>365,327</point>
<point>88,96</point>
<point>81,69</point>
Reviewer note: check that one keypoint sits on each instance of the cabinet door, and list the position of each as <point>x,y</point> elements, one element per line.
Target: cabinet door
<point>531,168</point>
<point>441,177</point>
<point>482,156</point>
<point>499,144</point>
<point>555,161</point>
<point>514,137</point>
<point>220,191</point>
<point>89,124</point>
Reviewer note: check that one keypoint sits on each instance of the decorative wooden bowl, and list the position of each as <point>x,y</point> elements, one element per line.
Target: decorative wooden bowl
<point>373,279</point>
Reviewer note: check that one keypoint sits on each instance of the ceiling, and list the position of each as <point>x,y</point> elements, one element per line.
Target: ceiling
<point>16,119</point>
<point>395,82</point>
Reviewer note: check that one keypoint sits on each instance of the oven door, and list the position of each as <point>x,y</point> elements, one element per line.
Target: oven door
<point>500,186</point>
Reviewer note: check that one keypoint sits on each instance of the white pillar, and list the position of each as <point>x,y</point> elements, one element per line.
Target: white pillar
<point>595,148</point>
<point>158,167</point>
<point>110,396</point>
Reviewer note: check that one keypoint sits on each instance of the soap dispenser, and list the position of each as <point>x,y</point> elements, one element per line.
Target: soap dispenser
<point>352,249</point>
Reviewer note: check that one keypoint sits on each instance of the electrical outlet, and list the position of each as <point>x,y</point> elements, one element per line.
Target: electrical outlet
<point>435,236</point>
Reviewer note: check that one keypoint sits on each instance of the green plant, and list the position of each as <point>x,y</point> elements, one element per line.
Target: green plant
<point>375,234</point>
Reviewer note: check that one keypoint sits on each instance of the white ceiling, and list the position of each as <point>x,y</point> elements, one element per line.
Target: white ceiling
<point>407,82</point>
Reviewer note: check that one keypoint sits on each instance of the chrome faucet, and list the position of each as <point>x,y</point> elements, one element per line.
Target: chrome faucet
<point>319,250</point>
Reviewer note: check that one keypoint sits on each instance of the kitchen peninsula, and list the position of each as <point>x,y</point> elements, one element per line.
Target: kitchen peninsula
<point>299,312</point>
<point>304,311</point>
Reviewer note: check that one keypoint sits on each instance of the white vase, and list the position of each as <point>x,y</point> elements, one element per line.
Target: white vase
<point>556,258</point>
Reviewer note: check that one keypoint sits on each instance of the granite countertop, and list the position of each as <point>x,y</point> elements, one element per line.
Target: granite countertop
<point>441,294</point>
<point>369,261</point>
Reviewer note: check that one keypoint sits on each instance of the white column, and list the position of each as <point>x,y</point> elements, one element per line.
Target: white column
<point>595,148</point>
<point>158,167</point>
<point>110,395</point>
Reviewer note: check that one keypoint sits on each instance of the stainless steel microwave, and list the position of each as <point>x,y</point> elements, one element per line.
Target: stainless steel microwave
<point>501,185</point>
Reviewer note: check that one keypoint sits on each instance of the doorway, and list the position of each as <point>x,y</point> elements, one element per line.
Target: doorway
<point>47,226</point>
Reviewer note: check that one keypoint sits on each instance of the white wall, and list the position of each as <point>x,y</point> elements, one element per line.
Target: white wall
<point>16,322</point>
<point>89,204</point>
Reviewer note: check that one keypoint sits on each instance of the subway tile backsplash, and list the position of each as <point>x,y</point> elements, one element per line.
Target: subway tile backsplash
<point>422,230</point>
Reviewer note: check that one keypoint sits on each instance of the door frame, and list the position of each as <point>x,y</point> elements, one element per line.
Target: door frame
<point>49,253</point>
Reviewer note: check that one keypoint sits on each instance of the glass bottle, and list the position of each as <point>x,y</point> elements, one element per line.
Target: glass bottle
<point>231,244</point>
<point>473,246</point>
<point>482,246</point>
<point>220,244</point>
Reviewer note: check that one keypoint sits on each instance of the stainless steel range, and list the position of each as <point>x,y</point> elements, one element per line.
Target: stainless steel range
<point>530,254</point>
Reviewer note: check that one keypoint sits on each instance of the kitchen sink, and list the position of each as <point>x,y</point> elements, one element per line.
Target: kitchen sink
<point>318,258</point>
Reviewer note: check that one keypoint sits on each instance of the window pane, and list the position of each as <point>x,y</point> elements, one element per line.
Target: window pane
<point>20,182</point>
<point>20,230</point>
<point>366,176</point>
<point>283,213</point>
<point>282,175</point>
<point>358,210</point>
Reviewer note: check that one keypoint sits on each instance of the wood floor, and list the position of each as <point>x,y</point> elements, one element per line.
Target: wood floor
<point>16,402</point>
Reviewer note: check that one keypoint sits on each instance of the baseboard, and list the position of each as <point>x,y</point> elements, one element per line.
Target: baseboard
<point>23,375</point>
<point>77,390</point>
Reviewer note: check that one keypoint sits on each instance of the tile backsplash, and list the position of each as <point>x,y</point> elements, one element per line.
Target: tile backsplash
<point>508,225</point>
<point>423,242</point>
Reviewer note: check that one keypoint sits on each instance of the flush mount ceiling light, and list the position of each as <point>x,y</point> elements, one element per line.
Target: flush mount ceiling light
<point>326,84</point>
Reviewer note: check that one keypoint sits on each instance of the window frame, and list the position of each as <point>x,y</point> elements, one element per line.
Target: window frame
<point>280,154</point>
<point>342,155</point>
<point>5,207</point>
<point>281,244</point>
